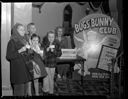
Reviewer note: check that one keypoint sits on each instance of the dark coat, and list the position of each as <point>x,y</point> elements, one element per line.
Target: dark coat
<point>18,71</point>
<point>63,43</point>
<point>50,57</point>
<point>39,60</point>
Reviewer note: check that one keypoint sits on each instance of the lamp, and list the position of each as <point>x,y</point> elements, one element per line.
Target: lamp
<point>95,5</point>
<point>38,5</point>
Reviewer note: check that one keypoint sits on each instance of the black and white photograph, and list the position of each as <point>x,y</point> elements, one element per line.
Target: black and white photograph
<point>62,49</point>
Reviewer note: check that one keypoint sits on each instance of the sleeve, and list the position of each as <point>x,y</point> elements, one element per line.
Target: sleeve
<point>45,51</point>
<point>66,45</point>
<point>44,42</point>
<point>11,52</point>
<point>68,42</point>
<point>57,50</point>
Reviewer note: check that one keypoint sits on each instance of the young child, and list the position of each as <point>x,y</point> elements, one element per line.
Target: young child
<point>37,60</point>
<point>52,50</point>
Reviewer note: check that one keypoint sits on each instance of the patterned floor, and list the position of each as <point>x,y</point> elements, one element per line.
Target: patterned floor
<point>90,87</point>
<point>75,88</point>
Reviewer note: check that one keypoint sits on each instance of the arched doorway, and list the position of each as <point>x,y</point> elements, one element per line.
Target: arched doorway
<point>67,18</point>
<point>67,23</point>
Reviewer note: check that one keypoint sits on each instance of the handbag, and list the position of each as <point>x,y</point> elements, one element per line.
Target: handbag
<point>28,62</point>
<point>36,70</point>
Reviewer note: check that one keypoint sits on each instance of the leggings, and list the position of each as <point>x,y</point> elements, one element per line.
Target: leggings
<point>48,81</point>
<point>20,89</point>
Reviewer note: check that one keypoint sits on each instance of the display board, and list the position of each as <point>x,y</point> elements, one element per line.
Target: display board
<point>91,33</point>
<point>105,59</point>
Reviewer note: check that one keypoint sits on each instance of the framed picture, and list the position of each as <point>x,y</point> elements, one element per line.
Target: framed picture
<point>106,54</point>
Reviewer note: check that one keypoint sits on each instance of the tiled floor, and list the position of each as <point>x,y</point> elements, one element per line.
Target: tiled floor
<point>90,87</point>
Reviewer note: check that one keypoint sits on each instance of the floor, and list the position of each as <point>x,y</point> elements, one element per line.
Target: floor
<point>71,87</point>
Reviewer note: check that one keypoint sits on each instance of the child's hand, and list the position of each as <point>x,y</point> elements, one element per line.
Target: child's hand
<point>41,52</point>
<point>27,46</point>
<point>52,49</point>
<point>48,49</point>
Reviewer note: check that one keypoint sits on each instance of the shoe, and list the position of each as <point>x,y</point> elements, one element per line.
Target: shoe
<point>59,77</point>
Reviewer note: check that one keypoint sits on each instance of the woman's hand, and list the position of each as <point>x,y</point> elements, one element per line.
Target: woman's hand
<point>22,49</point>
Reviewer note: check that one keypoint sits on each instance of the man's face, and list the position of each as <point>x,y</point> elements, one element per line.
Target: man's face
<point>32,29</point>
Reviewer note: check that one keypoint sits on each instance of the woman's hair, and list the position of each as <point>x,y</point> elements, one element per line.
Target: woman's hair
<point>15,27</point>
<point>15,34</point>
<point>35,35</point>
<point>56,30</point>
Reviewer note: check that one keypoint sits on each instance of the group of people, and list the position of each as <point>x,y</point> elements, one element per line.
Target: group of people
<point>32,59</point>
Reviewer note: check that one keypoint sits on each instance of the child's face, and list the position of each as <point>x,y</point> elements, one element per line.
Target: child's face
<point>51,37</point>
<point>35,41</point>
<point>32,29</point>
<point>60,32</point>
<point>21,30</point>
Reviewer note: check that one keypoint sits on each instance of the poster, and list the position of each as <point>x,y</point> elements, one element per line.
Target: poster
<point>91,33</point>
<point>107,53</point>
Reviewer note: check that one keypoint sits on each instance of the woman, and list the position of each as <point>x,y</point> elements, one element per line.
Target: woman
<point>16,48</point>
<point>62,69</point>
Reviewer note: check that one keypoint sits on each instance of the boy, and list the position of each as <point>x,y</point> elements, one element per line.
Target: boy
<point>31,30</point>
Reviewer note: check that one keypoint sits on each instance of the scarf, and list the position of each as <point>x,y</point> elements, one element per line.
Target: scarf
<point>16,36</point>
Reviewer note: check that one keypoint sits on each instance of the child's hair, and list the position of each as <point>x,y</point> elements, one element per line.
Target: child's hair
<point>28,26</point>
<point>56,30</point>
<point>35,35</point>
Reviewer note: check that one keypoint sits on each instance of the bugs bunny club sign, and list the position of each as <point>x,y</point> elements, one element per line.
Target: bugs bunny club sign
<point>92,32</point>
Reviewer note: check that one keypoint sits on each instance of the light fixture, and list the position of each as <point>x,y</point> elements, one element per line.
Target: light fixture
<point>38,5</point>
<point>95,5</point>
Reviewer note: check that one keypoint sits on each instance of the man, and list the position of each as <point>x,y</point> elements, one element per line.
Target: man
<point>31,29</point>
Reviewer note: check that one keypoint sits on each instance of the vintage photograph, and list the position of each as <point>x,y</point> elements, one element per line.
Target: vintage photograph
<point>62,49</point>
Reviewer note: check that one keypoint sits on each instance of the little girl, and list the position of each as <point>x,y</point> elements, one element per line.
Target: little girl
<point>52,50</point>
<point>37,61</point>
